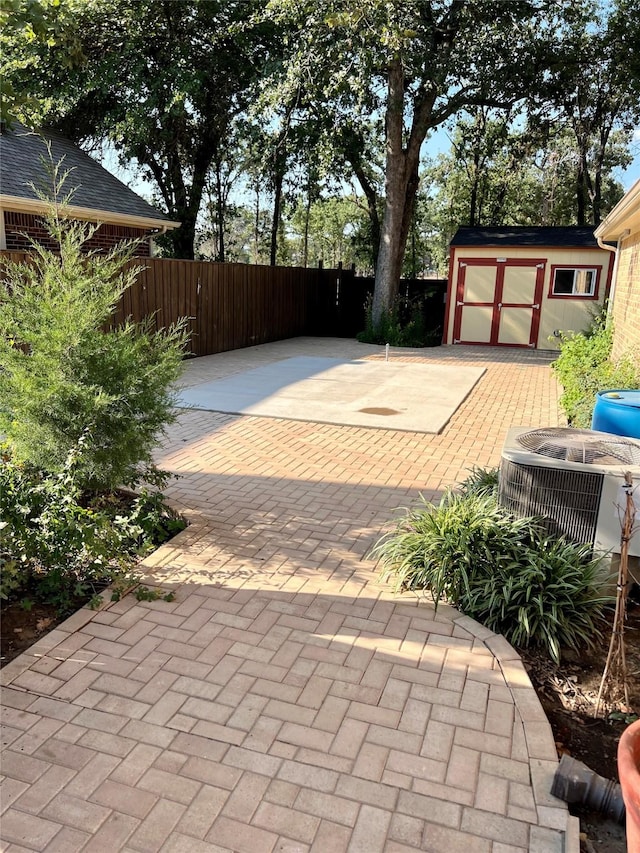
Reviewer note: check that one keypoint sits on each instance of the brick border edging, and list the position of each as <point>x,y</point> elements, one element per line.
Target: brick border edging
<point>553,814</point>
<point>85,614</point>
<point>77,620</point>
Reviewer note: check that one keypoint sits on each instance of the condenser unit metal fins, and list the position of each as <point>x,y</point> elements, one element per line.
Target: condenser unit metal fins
<point>568,501</point>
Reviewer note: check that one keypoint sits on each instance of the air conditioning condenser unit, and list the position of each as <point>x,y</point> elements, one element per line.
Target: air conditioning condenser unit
<point>573,479</point>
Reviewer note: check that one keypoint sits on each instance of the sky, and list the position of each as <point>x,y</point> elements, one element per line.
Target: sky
<point>438,142</point>
<point>632,174</point>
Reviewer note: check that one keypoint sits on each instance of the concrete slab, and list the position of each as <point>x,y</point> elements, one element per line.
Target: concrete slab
<point>391,395</point>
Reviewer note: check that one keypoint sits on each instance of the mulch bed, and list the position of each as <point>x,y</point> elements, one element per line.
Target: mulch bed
<point>568,693</point>
<point>20,628</point>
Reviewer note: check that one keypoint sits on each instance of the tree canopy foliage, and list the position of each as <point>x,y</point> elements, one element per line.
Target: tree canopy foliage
<point>245,115</point>
<point>162,80</point>
<point>592,89</point>
<point>407,68</point>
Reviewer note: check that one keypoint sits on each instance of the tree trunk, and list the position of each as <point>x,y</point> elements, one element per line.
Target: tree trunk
<point>402,162</point>
<point>372,207</point>
<point>186,212</point>
<point>596,195</point>
<point>581,206</point>
<point>473,199</point>
<point>305,243</point>
<point>391,250</point>
<point>596,201</point>
<point>581,186</point>
<point>256,230</point>
<point>187,203</point>
<point>401,185</point>
<point>275,222</point>
<point>183,238</point>
<point>279,171</point>
<point>220,214</point>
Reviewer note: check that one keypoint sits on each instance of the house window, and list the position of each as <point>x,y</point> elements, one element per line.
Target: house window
<point>571,281</point>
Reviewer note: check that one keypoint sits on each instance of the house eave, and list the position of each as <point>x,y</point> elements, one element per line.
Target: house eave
<point>108,217</point>
<point>624,217</point>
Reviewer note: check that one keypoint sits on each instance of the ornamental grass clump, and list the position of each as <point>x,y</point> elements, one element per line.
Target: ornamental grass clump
<point>550,596</point>
<point>505,572</point>
<point>446,548</point>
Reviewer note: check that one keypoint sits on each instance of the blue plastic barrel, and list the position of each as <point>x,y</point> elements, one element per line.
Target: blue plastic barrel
<point>617,412</point>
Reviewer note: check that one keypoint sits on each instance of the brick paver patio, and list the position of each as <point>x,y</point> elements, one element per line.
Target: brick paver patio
<point>287,700</point>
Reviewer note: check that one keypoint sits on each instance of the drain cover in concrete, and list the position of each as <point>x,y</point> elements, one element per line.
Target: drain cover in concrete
<point>391,395</point>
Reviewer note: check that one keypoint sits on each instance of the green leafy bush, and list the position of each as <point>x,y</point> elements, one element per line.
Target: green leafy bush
<point>59,546</point>
<point>50,539</point>
<point>67,384</point>
<point>584,367</point>
<point>402,325</point>
<point>505,572</point>
<point>147,522</point>
<point>12,576</point>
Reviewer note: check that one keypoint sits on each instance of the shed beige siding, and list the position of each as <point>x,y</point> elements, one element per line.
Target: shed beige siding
<point>556,314</point>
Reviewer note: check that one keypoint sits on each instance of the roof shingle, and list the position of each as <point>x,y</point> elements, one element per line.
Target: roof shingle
<point>524,235</point>
<point>23,162</point>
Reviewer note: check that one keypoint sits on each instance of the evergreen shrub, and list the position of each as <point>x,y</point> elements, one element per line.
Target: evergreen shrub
<point>82,404</point>
<point>68,382</point>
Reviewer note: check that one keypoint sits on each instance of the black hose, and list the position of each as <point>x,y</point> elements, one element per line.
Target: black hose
<point>575,783</point>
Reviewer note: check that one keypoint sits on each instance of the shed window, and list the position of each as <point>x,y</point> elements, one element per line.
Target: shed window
<point>569,281</point>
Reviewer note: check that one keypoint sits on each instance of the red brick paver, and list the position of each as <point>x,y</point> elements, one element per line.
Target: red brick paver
<point>287,700</point>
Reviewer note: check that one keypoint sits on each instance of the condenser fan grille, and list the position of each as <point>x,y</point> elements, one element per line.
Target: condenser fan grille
<point>581,445</point>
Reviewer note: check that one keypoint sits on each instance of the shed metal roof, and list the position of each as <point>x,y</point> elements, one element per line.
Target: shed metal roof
<point>24,161</point>
<point>525,235</point>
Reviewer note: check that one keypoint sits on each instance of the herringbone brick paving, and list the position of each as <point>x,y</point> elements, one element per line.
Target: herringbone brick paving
<point>287,700</point>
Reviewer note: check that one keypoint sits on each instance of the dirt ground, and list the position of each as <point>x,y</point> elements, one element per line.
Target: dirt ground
<point>21,628</point>
<point>568,693</point>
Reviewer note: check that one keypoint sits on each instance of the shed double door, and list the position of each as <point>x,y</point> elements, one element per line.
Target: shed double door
<point>498,301</point>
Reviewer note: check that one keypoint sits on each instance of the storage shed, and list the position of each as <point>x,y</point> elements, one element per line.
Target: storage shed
<point>521,286</point>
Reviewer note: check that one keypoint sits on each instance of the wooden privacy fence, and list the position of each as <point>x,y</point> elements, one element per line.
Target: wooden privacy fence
<point>230,306</point>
